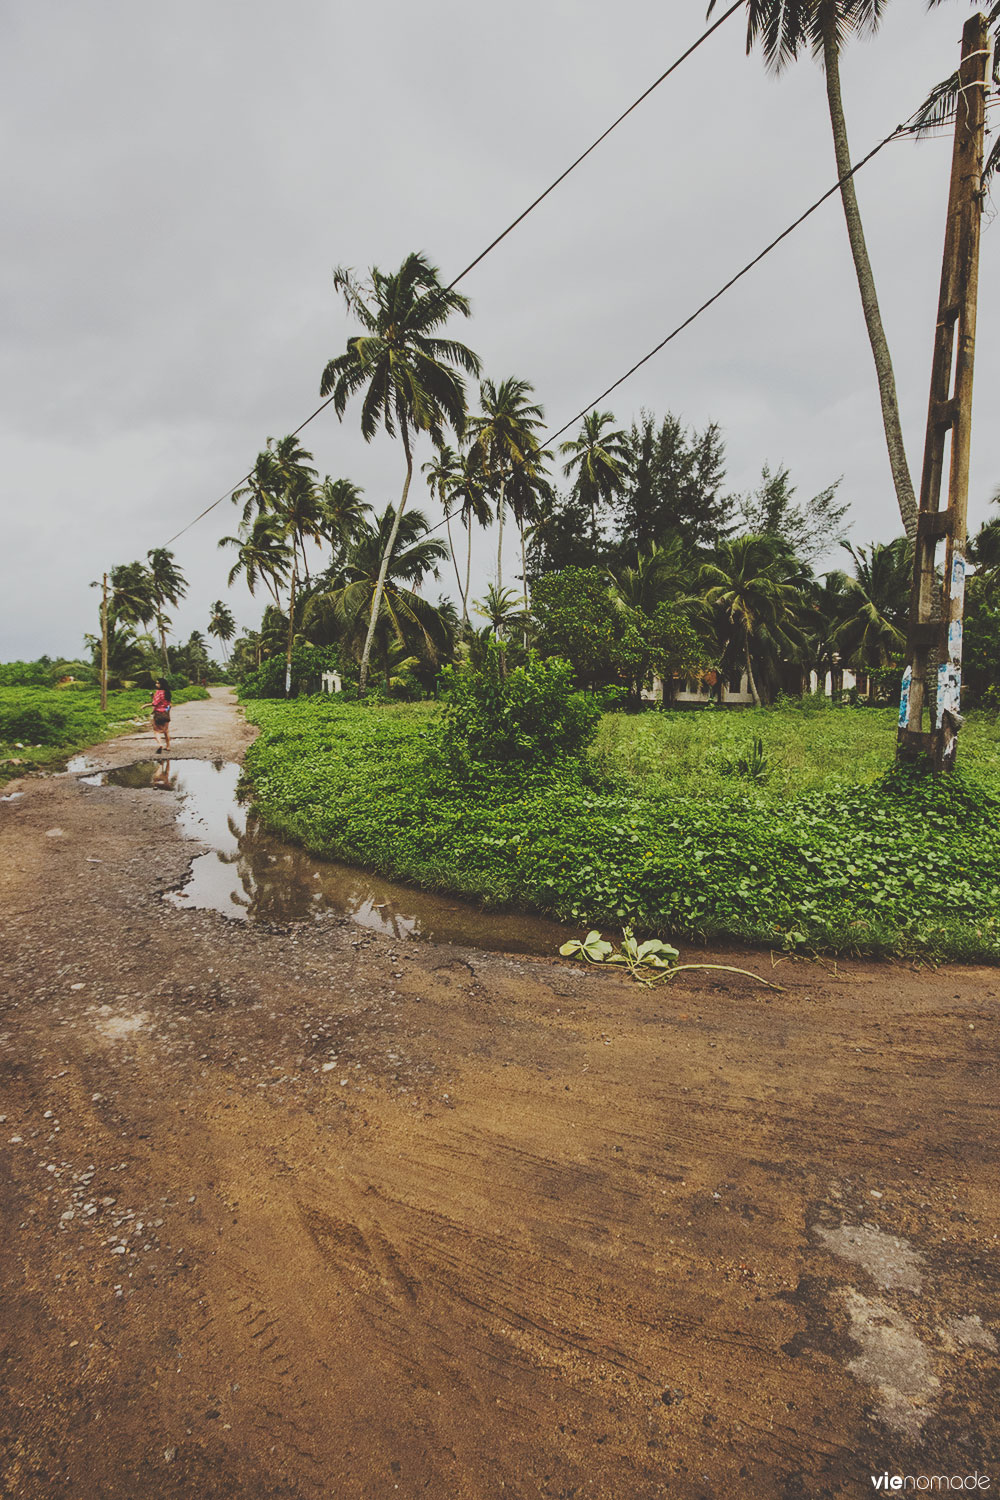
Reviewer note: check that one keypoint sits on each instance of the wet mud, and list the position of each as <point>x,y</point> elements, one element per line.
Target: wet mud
<point>248,874</point>
<point>312,1211</point>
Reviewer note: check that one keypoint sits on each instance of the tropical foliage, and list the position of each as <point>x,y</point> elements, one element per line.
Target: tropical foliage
<point>376,572</point>
<point>406,374</point>
<point>670,845</point>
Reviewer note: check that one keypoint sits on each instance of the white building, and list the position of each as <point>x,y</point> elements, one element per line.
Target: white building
<point>734,692</point>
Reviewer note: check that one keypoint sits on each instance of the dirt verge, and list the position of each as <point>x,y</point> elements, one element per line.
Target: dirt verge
<point>296,1212</point>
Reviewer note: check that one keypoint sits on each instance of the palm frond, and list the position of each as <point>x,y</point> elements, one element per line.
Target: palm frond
<point>939,106</point>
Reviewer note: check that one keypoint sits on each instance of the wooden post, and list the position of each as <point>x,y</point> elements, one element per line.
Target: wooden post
<point>934,637</point>
<point>104,644</point>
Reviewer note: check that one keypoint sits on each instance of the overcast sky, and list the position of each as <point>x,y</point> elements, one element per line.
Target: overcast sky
<point>180,181</point>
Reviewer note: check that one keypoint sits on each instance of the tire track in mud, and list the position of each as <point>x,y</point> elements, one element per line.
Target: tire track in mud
<point>548,1237</point>
<point>412,1325</point>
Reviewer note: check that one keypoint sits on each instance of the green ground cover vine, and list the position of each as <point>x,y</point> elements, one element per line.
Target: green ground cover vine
<point>638,834</point>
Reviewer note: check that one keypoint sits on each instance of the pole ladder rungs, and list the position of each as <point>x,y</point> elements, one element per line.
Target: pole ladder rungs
<point>945,414</point>
<point>925,634</point>
<point>935,523</point>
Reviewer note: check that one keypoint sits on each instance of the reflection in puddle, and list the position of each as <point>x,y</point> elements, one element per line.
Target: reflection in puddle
<point>252,874</point>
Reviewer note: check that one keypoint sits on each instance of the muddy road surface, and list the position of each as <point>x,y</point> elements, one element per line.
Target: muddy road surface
<point>297,1210</point>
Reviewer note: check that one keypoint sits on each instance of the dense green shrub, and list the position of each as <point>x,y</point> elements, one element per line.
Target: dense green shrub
<point>308,665</point>
<point>26,673</point>
<point>528,716</point>
<point>44,672</point>
<point>41,723</point>
<point>896,864</point>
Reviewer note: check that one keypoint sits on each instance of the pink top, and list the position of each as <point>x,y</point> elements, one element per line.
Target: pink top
<point>161,703</point>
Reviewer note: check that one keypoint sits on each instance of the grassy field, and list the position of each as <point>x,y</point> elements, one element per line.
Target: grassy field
<point>41,726</point>
<point>657,829</point>
<point>809,745</point>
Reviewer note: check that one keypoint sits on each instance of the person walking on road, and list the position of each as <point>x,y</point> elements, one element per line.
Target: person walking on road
<point>161,715</point>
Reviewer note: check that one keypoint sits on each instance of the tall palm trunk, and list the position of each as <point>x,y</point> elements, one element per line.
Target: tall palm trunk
<point>451,549</point>
<point>750,678</point>
<point>500,510</point>
<point>291,627</point>
<point>386,555</point>
<point>902,482</point>
<point>524,579</point>
<point>468,573</point>
<point>163,638</point>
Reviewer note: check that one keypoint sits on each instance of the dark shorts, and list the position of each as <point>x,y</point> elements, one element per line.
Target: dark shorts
<point>161,720</point>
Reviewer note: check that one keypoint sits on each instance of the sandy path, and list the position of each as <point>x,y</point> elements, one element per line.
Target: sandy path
<point>293,1212</point>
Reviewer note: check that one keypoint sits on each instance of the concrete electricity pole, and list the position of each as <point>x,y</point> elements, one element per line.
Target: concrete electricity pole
<point>933,677</point>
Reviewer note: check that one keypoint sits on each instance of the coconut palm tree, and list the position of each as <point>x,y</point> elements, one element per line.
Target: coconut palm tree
<point>754,589</point>
<point>263,555</point>
<point>660,574</point>
<point>444,472</point>
<point>984,547</point>
<point>872,632</point>
<point>406,372</point>
<point>297,497</point>
<point>503,440</point>
<point>825,605</point>
<point>470,495</point>
<point>193,656</point>
<point>597,460</point>
<point>132,600</point>
<point>505,613</point>
<point>169,587</point>
<point>282,487</point>
<point>528,492</point>
<point>405,619</point>
<point>222,625</point>
<point>341,512</point>
<point>126,653</point>
<point>785,28</point>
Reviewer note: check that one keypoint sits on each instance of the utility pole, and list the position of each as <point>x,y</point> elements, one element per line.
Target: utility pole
<point>933,677</point>
<point>104,644</point>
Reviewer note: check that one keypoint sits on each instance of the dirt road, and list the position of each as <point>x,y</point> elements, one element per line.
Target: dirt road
<point>295,1212</point>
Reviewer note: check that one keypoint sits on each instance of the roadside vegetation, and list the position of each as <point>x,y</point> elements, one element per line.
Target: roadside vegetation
<point>556,777</point>
<point>39,726</point>
<point>630,833</point>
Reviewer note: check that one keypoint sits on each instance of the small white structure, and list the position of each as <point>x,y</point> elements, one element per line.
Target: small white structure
<point>734,692</point>
<point>331,682</point>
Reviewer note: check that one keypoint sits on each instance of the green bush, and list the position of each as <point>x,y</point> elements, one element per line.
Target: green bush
<point>530,716</point>
<point>899,863</point>
<point>26,673</point>
<point>44,724</point>
<point>308,665</point>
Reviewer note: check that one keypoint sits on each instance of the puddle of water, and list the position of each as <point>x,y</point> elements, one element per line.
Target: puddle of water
<point>78,764</point>
<point>251,875</point>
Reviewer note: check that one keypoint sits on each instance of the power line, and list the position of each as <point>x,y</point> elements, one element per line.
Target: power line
<point>896,134</point>
<point>550,437</point>
<point>511,226</point>
<point>583,156</point>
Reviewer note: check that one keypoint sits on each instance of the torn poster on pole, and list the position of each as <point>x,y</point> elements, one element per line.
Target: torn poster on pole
<point>949,693</point>
<point>904,699</point>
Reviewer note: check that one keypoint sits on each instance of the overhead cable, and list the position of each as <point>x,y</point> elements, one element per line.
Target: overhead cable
<point>550,437</point>
<point>511,226</point>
